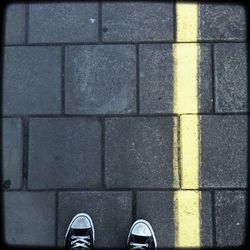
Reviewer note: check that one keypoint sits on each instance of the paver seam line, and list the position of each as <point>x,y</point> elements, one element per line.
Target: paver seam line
<point>213,214</point>
<point>25,146</point>
<point>56,216</point>
<point>100,40</point>
<point>103,169</point>
<point>118,43</point>
<point>63,97</point>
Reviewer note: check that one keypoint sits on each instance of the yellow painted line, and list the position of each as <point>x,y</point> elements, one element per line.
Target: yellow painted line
<point>186,58</point>
<point>189,151</point>
<point>187,223</point>
<point>186,22</point>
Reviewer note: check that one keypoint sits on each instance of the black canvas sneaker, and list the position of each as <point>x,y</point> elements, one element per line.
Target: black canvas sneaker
<point>80,233</point>
<point>141,236</point>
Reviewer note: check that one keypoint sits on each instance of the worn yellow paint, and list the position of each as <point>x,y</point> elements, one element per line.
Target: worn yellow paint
<point>185,78</point>
<point>189,151</point>
<point>187,222</point>
<point>186,56</point>
<point>187,22</point>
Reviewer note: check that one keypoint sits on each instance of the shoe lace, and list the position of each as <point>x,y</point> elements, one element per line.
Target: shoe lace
<point>138,245</point>
<point>80,241</point>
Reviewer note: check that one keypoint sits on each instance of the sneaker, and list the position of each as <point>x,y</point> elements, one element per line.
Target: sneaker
<point>80,233</point>
<point>141,236</point>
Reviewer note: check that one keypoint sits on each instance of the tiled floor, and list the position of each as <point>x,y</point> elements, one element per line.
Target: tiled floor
<point>88,120</point>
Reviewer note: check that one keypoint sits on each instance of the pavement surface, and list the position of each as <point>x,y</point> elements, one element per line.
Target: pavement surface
<point>88,121</point>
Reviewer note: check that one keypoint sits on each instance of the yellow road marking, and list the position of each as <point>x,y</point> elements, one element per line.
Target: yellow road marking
<point>187,222</point>
<point>186,66</point>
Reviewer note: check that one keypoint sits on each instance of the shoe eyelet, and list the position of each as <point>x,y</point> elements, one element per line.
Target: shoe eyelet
<point>88,237</point>
<point>88,243</point>
<point>146,244</point>
<point>131,243</point>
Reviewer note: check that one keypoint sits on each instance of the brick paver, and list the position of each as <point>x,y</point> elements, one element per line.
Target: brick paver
<point>100,79</point>
<point>138,152</point>
<point>12,139</point>
<point>64,153</point>
<point>88,122</point>
<point>224,151</point>
<point>32,80</point>
<point>15,24</point>
<point>29,218</point>
<point>231,77</point>
<point>137,21</point>
<point>222,21</point>
<point>63,22</point>
<point>231,220</point>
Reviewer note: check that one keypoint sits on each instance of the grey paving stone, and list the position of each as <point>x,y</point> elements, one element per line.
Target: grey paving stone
<point>206,225</point>
<point>29,218</point>
<point>230,218</point>
<point>137,21</point>
<point>224,151</point>
<point>100,79</point>
<point>231,78</point>
<point>156,79</point>
<point>138,152</point>
<point>111,213</point>
<point>12,152</point>
<point>32,80</point>
<point>63,22</point>
<point>15,24</point>
<point>158,209</point>
<point>222,22</point>
<point>64,153</point>
<point>205,89</point>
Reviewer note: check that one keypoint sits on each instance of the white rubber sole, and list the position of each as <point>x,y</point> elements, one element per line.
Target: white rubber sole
<point>81,215</point>
<point>148,224</point>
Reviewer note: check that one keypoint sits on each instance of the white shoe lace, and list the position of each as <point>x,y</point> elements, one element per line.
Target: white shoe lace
<point>80,241</point>
<point>138,245</point>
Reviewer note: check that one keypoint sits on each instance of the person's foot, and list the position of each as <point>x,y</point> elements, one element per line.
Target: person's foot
<point>141,236</point>
<point>80,233</point>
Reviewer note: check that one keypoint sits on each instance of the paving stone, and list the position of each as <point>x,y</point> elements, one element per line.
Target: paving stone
<point>231,78</point>
<point>138,152</point>
<point>224,151</point>
<point>137,21</point>
<point>15,24</point>
<point>32,80</point>
<point>230,218</point>
<point>64,153</point>
<point>205,88</point>
<point>29,218</point>
<point>63,22</point>
<point>12,152</point>
<point>156,79</point>
<point>100,79</point>
<point>222,22</point>
<point>111,213</point>
<point>206,225</point>
<point>157,208</point>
